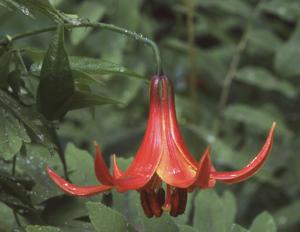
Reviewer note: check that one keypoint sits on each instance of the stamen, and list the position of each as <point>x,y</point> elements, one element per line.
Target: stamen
<point>154,204</point>
<point>182,201</point>
<point>175,203</point>
<point>145,204</point>
<point>168,202</point>
<point>160,197</point>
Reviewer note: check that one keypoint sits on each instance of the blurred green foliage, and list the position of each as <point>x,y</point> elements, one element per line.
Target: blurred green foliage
<point>235,68</point>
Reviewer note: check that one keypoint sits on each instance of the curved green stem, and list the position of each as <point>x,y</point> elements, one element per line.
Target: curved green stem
<point>106,26</point>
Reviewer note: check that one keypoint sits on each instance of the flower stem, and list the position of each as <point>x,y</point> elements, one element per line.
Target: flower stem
<point>190,30</point>
<point>105,26</point>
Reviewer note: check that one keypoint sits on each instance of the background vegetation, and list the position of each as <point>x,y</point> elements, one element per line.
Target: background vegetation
<point>235,67</point>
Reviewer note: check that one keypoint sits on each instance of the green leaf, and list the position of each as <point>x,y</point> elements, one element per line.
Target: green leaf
<point>6,4</point>
<point>230,208</point>
<point>218,146</point>
<point>56,81</point>
<point>212,213</point>
<point>237,228</point>
<point>77,226</point>
<point>15,81</point>
<point>165,221</point>
<point>126,15</point>
<point>14,5</point>
<point>82,99</point>
<point>208,212</point>
<point>33,121</point>
<point>262,78</point>
<point>7,218</point>
<point>128,204</point>
<point>262,40</point>
<point>69,209</point>
<point>107,219</point>
<point>42,229</point>
<point>99,67</point>
<point>230,6</point>
<point>12,135</point>
<point>288,10</point>
<point>185,217</point>
<point>11,186</point>
<point>80,163</point>
<point>288,215</point>
<point>37,55</point>
<point>87,11</point>
<point>287,56</point>
<point>82,78</point>
<point>286,60</point>
<point>186,228</point>
<point>126,90</point>
<point>260,118</point>
<point>263,222</point>
<point>33,166</point>
<point>31,7</point>
<point>90,66</point>
<point>4,69</point>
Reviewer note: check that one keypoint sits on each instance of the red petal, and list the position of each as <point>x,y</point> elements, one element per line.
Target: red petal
<point>174,128</point>
<point>177,166</point>
<point>101,170</point>
<point>148,156</point>
<point>74,190</point>
<point>116,170</point>
<point>252,167</point>
<point>204,171</point>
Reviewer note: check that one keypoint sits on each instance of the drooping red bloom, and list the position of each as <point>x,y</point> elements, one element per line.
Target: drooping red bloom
<point>163,157</point>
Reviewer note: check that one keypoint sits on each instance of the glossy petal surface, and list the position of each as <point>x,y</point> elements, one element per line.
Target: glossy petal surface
<point>177,167</point>
<point>74,190</point>
<point>101,170</point>
<point>252,167</point>
<point>149,154</point>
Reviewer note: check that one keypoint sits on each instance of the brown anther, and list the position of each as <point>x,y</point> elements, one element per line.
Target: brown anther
<point>146,204</point>
<point>182,201</point>
<point>160,196</point>
<point>175,203</point>
<point>154,204</point>
<point>178,201</point>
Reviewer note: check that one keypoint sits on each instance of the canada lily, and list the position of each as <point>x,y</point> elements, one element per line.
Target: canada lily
<point>163,157</point>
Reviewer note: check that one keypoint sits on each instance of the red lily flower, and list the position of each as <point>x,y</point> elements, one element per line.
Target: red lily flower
<point>163,157</point>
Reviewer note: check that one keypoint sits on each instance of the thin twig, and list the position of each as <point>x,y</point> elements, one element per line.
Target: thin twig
<point>233,67</point>
<point>17,218</point>
<point>20,58</point>
<point>14,162</point>
<point>191,50</point>
<point>191,45</point>
<point>231,73</point>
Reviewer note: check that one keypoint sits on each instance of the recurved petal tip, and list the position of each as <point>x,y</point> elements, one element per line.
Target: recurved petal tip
<point>101,170</point>
<point>252,167</point>
<point>73,190</point>
<point>116,170</point>
<point>204,170</point>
